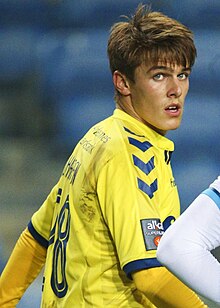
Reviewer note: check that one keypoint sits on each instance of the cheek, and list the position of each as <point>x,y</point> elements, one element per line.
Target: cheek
<point>186,88</point>
<point>152,91</point>
<point>184,94</point>
<point>158,90</point>
<point>154,87</point>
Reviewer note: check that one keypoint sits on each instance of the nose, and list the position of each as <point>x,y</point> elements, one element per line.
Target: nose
<point>175,89</point>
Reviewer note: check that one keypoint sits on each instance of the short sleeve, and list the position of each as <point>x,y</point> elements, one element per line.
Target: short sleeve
<point>41,221</point>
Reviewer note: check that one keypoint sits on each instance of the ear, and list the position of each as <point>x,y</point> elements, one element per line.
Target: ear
<point>121,84</point>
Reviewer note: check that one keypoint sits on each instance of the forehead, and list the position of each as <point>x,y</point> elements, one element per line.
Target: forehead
<point>169,58</point>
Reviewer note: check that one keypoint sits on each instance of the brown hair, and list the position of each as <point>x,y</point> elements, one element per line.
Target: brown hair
<point>149,36</point>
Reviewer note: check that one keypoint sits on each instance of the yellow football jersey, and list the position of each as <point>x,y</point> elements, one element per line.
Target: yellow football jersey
<point>105,216</point>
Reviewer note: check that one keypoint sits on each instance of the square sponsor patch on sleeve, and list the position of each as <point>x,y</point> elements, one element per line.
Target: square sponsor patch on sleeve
<point>152,231</point>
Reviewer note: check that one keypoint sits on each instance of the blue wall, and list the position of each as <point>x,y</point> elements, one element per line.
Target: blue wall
<point>62,46</point>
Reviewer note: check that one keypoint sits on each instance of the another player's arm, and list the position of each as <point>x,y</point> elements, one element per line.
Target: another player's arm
<point>186,246</point>
<point>24,264</point>
<point>164,290</point>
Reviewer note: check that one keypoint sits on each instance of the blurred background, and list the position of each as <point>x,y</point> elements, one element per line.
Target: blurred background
<point>55,83</point>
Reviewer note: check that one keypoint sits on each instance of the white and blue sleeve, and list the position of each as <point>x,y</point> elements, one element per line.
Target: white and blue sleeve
<point>185,248</point>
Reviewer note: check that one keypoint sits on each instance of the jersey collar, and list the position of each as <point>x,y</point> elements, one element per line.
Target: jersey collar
<point>140,129</point>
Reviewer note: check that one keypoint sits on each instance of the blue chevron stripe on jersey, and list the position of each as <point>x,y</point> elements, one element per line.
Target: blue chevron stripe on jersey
<point>143,146</point>
<point>149,190</point>
<point>129,131</point>
<point>145,167</point>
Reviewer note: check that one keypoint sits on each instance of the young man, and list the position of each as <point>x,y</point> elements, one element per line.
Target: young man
<point>100,226</point>
<point>186,246</point>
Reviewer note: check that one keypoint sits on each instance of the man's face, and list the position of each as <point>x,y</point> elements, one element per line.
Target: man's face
<point>158,94</point>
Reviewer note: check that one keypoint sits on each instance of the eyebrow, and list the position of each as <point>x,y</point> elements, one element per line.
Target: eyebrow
<point>167,68</point>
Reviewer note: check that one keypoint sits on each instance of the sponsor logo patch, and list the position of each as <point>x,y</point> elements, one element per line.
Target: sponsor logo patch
<point>152,231</point>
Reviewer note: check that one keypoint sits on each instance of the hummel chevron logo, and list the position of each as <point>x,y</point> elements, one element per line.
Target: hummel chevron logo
<point>143,146</point>
<point>149,190</point>
<point>145,167</point>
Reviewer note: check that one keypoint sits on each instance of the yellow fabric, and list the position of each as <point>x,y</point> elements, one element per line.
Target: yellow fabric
<point>164,290</point>
<point>24,264</point>
<point>115,181</point>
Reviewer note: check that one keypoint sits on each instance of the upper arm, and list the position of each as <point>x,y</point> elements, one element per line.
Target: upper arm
<point>186,246</point>
<point>41,221</point>
<point>163,289</point>
<point>146,280</point>
<point>195,230</point>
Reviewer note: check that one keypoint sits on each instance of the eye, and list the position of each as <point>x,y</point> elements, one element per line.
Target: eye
<point>183,76</point>
<point>158,76</point>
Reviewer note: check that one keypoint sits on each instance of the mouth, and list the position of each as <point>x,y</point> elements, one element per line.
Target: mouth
<point>173,109</point>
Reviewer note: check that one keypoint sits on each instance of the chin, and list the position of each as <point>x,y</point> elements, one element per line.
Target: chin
<point>173,126</point>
